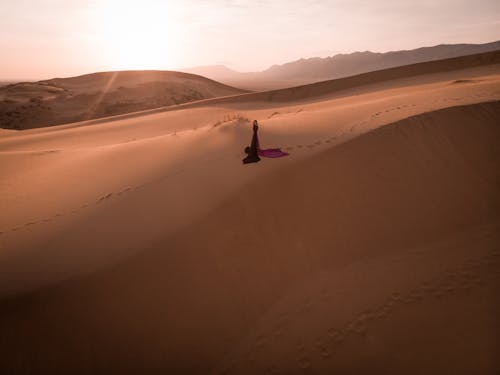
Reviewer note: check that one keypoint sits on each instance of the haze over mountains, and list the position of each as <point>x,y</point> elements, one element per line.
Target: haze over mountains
<point>316,69</point>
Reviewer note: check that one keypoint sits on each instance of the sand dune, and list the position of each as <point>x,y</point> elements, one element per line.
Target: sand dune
<point>28,105</point>
<point>405,76</point>
<point>143,245</point>
<point>101,95</point>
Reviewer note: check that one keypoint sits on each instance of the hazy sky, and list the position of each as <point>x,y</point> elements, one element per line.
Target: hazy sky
<point>49,38</point>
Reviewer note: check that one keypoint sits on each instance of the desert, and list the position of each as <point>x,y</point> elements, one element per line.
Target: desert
<point>133,240</point>
<point>142,244</point>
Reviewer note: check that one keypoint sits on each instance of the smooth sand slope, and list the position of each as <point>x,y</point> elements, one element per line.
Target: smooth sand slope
<point>143,245</point>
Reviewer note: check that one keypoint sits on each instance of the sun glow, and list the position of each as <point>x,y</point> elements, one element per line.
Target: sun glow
<point>137,34</point>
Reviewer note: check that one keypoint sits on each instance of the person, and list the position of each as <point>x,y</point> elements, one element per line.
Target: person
<point>253,151</point>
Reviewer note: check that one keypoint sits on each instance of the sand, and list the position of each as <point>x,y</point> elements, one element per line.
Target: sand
<point>27,105</point>
<point>142,244</point>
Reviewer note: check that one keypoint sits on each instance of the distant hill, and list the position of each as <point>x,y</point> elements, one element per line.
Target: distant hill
<point>63,100</point>
<point>5,83</point>
<point>317,69</point>
<point>220,71</point>
<point>254,81</point>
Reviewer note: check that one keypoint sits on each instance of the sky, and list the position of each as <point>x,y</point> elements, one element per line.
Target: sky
<point>59,38</point>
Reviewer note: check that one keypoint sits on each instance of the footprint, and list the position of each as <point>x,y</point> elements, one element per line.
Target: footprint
<point>349,327</point>
<point>382,312</point>
<point>360,329</point>
<point>105,197</point>
<point>426,288</point>
<point>325,353</point>
<point>396,297</point>
<point>366,316</point>
<point>318,344</point>
<point>322,349</point>
<point>409,299</point>
<point>128,188</point>
<point>358,326</point>
<point>304,363</point>
<point>301,347</point>
<point>261,340</point>
<point>336,335</point>
<point>416,294</point>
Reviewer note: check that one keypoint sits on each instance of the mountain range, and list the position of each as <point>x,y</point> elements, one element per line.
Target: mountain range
<point>317,69</point>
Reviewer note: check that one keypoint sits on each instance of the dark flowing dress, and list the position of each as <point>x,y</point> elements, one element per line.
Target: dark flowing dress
<point>253,150</point>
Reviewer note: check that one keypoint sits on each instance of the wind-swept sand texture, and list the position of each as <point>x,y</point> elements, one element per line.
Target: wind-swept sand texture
<point>143,245</point>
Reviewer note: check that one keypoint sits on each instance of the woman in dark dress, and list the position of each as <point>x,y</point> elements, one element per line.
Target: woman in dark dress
<point>253,150</point>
